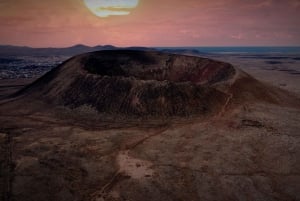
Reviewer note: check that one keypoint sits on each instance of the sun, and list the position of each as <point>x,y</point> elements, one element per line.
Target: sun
<point>106,8</point>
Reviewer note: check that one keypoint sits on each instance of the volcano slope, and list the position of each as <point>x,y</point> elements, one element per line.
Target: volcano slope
<point>136,125</point>
<point>135,83</point>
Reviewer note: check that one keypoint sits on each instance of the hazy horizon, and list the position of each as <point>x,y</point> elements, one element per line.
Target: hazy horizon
<point>184,46</point>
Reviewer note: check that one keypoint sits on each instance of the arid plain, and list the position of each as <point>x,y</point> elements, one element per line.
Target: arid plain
<point>243,146</point>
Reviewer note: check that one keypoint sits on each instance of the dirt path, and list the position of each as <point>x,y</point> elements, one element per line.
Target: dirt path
<point>128,166</point>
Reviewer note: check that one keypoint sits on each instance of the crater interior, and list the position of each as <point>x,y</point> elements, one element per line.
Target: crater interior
<point>157,66</point>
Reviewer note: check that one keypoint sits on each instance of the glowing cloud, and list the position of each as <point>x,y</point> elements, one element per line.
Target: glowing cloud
<point>105,8</point>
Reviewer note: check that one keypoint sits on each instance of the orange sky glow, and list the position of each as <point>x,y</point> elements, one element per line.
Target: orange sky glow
<point>60,23</point>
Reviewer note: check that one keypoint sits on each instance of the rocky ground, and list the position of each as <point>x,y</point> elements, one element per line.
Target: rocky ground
<point>247,151</point>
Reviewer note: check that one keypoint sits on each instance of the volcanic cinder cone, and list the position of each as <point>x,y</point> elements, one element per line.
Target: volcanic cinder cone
<point>147,83</point>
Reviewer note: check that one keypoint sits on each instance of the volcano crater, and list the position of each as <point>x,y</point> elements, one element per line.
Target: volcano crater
<point>157,66</point>
<point>139,83</point>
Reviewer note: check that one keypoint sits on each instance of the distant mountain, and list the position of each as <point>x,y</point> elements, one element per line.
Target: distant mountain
<point>9,50</point>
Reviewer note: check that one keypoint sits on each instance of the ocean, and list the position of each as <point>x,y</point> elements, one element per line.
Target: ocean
<point>240,50</point>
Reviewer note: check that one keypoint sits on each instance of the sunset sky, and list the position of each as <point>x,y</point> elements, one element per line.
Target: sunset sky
<point>60,23</point>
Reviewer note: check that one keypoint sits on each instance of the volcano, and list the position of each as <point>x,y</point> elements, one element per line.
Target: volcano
<point>147,83</point>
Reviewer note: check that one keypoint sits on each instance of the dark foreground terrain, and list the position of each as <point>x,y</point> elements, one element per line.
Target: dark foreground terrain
<point>206,131</point>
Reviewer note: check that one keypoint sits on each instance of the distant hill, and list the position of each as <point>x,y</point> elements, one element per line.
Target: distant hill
<point>8,50</point>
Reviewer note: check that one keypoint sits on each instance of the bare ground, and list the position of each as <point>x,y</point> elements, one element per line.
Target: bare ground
<point>250,153</point>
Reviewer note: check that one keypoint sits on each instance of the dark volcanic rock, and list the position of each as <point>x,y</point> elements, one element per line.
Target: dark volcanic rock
<point>157,66</point>
<point>136,83</point>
